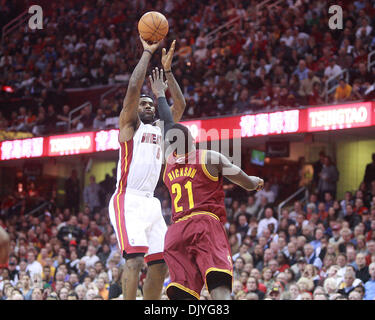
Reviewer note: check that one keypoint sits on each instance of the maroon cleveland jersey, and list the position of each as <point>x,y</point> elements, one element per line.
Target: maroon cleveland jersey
<point>192,188</point>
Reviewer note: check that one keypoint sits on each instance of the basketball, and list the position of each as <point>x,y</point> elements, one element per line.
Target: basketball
<point>153,26</point>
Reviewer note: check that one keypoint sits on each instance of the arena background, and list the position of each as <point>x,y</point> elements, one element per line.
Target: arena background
<point>297,91</point>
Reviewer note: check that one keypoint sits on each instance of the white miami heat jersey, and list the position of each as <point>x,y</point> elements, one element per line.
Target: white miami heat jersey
<point>140,160</point>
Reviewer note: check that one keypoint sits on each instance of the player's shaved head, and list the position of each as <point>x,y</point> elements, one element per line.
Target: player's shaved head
<point>144,95</point>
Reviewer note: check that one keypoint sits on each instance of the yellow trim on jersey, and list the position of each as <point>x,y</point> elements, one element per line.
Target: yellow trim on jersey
<point>218,270</point>
<point>196,213</point>
<point>165,169</point>
<point>209,175</point>
<point>189,291</point>
<point>126,156</point>
<point>119,217</point>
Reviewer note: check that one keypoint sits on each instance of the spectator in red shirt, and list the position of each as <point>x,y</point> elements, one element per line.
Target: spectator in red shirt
<point>322,213</point>
<point>93,230</point>
<point>252,286</point>
<point>359,207</point>
<point>283,262</point>
<point>315,97</point>
<point>243,279</point>
<point>351,217</point>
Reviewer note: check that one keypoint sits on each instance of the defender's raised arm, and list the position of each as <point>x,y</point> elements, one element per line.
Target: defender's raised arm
<point>179,102</point>
<point>159,86</point>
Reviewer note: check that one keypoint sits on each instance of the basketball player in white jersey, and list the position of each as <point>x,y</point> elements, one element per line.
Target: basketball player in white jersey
<point>134,212</point>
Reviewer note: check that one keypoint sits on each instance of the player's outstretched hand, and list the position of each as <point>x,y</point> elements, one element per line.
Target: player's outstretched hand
<point>149,46</point>
<point>260,185</point>
<point>166,58</point>
<point>158,85</point>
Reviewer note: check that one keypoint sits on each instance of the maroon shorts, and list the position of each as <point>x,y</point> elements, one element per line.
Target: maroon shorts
<point>197,252</point>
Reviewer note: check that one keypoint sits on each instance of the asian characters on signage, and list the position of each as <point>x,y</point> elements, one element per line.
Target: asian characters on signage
<point>107,140</point>
<point>263,124</point>
<point>333,117</point>
<point>20,149</point>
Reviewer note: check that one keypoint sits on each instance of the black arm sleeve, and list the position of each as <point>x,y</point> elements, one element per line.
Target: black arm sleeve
<point>165,114</point>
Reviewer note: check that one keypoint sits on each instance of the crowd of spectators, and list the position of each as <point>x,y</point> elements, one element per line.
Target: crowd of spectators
<point>322,248</point>
<point>274,57</point>
<point>62,253</point>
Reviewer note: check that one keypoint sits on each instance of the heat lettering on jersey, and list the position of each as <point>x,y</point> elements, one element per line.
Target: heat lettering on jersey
<point>151,138</point>
<point>182,172</point>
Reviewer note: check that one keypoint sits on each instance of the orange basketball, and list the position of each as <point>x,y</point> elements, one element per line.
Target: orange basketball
<point>153,26</point>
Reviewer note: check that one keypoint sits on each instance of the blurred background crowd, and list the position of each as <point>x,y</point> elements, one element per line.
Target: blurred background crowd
<point>278,57</point>
<point>321,248</point>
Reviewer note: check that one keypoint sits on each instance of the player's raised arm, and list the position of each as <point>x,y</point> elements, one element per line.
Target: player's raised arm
<point>129,113</point>
<point>217,163</point>
<point>179,102</point>
<point>159,86</point>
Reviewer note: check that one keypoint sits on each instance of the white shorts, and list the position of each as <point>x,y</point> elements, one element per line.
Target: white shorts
<point>139,224</point>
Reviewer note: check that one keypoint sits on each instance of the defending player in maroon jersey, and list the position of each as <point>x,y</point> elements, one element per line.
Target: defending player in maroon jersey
<point>196,247</point>
<point>192,187</point>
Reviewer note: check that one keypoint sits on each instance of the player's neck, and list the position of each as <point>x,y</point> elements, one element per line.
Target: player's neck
<point>183,155</point>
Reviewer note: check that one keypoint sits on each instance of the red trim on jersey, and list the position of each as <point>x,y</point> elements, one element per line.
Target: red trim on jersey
<point>154,256</point>
<point>119,199</point>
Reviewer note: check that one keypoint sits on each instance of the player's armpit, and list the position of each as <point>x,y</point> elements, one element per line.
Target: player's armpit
<point>212,162</point>
<point>124,121</point>
<point>128,122</point>
<point>127,132</point>
<point>129,112</point>
<point>232,172</point>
